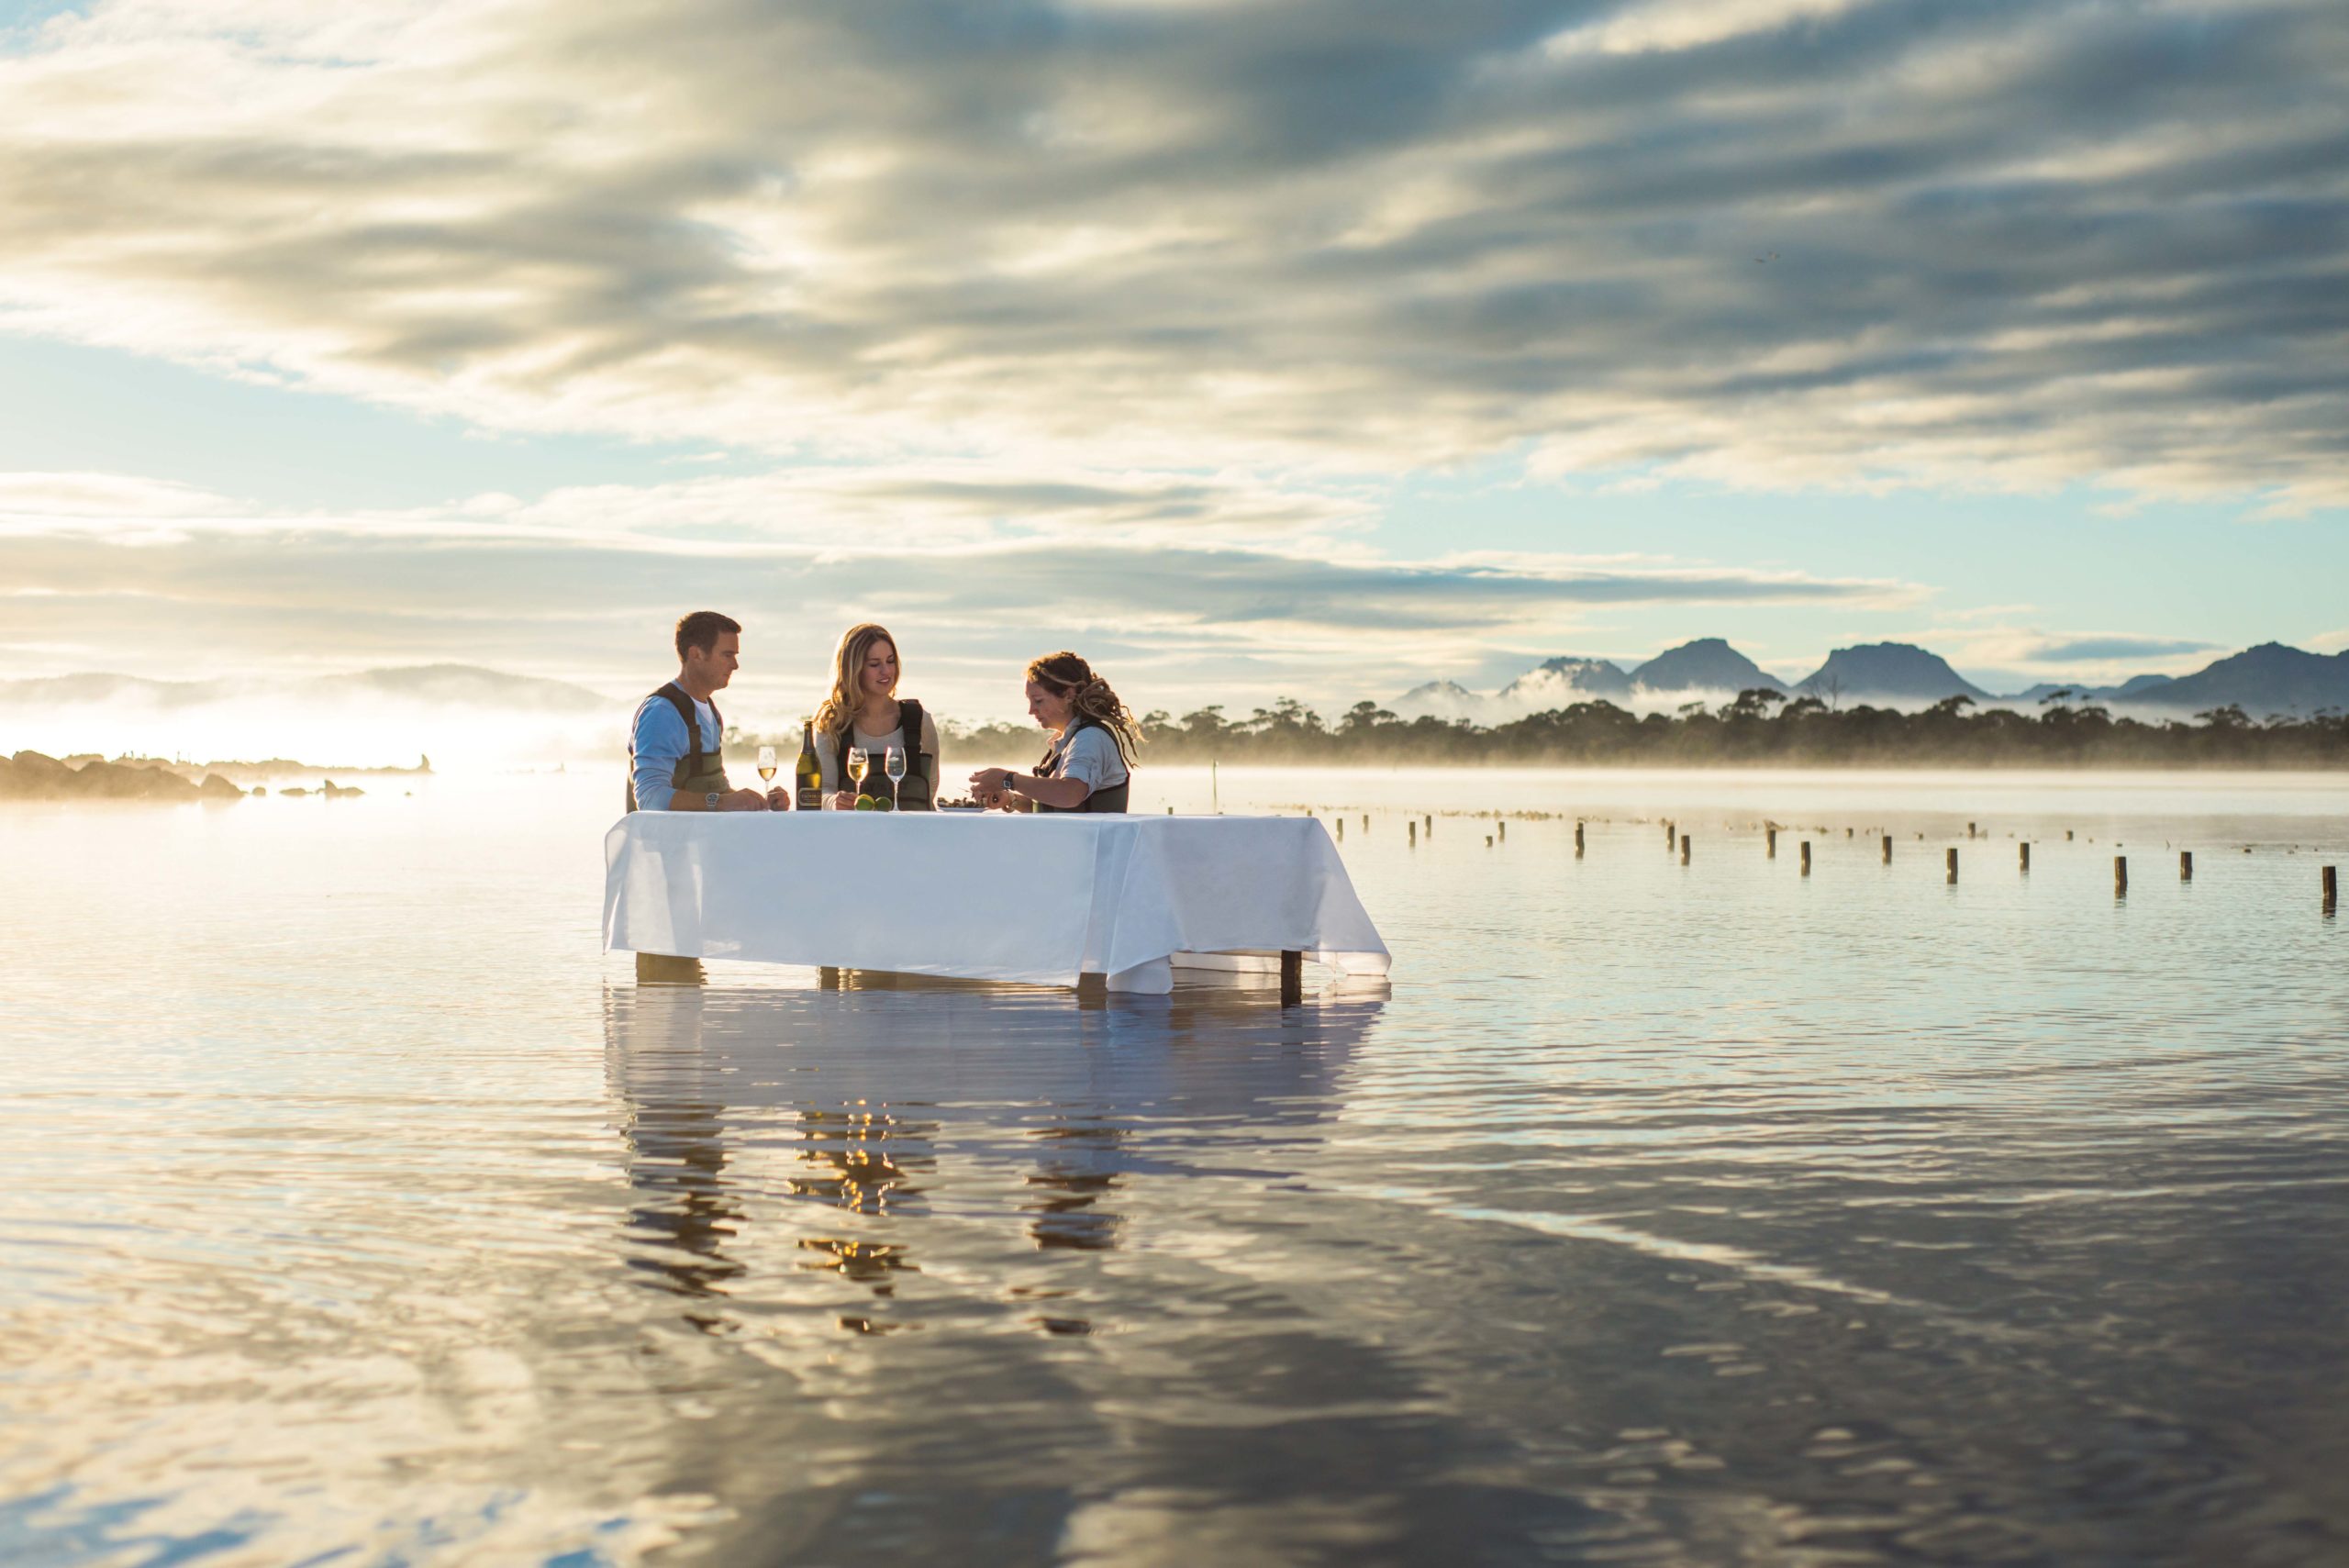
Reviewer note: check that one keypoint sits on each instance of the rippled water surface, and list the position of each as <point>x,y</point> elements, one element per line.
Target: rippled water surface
<point>357,1209</point>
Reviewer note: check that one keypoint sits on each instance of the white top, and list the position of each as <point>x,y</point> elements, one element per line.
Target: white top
<point>1091,754</point>
<point>828,752</point>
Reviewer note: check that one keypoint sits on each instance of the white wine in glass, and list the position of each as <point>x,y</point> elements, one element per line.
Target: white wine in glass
<point>893,762</point>
<point>859,764</point>
<point>766,764</point>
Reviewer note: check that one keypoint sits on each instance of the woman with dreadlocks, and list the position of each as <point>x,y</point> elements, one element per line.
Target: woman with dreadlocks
<point>1089,764</point>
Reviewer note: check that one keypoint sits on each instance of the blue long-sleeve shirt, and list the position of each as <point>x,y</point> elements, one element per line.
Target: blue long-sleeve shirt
<point>662,743</point>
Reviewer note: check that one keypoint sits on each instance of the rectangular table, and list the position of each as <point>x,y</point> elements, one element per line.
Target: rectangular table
<point>983,895</point>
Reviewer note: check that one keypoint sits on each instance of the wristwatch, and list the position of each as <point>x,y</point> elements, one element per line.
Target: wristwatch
<point>709,801</point>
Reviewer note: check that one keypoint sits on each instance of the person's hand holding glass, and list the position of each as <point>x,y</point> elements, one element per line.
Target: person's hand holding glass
<point>855,763</point>
<point>778,799</point>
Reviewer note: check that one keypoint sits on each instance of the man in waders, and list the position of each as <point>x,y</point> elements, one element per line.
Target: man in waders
<point>676,751</point>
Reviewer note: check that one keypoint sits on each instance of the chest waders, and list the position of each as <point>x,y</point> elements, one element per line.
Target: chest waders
<point>918,791</point>
<point>698,771</point>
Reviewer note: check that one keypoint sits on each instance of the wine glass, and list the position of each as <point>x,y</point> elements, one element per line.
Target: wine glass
<point>893,762</point>
<point>859,764</point>
<point>766,764</point>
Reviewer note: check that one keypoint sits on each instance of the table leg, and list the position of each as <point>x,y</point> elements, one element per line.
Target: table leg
<point>660,969</point>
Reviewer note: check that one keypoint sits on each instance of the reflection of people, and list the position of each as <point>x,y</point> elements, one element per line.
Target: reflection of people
<point>864,710</point>
<point>1081,1162</point>
<point>677,1156</point>
<point>1059,1107</point>
<point>676,746</point>
<point>1089,766</point>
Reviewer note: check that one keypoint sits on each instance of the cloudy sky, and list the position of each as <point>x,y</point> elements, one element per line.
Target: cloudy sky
<point>1250,346</point>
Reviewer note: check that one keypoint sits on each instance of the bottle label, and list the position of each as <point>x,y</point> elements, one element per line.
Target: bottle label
<point>809,773</point>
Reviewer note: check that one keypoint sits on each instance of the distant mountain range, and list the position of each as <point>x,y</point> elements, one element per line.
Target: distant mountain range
<point>462,714</point>
<point>2270,678</point>
<point>447,685</point>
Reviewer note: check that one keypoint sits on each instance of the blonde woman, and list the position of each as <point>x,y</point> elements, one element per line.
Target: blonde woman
<point>1089,766</point>
<point>864,710</point>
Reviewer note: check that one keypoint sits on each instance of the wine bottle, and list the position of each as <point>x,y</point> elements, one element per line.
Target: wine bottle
<point>809,772</point>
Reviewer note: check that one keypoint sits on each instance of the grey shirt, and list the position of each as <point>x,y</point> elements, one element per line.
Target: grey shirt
<point>1091,754</point>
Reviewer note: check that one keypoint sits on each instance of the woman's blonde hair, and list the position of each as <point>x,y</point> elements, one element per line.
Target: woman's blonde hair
<point>1089,697</point>
<point>838,711</point>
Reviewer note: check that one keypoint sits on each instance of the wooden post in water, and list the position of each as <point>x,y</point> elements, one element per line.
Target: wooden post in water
<point>663,969</point>
<point>2331,888</point>
<point>2023,850</point>
<point>1341,829</point>
<point>1952,866</point>
<point>2067,835</point>
<point>1292,978</point>
<point>1773,853</point>
<point>1667,835</point>
<point>1577,840</point>
<point>2119,877</point>
<point>1365,821</point>
<point>1684,849</point>
<point>2185,865</point>
<point>1888,848</point>
<point>1503,826</point>
<point>1806,857</point>
<point>1411,832</point>
<point>1431,823</point>
<point>1969,829</point>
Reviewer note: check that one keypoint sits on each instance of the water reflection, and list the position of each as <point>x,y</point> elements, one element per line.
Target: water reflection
<point>678,1160</point>
<point>1667,1215</point>
<point>1078,1168</point>
<point>774,1134</point>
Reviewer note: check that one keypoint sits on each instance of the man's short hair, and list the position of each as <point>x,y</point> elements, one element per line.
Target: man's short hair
<point>702,629</point>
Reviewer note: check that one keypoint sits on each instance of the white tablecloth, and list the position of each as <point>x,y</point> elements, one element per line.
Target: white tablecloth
<point>982,896</point>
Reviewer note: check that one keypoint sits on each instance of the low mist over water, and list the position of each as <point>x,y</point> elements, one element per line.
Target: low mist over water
<point>1704,1212</point>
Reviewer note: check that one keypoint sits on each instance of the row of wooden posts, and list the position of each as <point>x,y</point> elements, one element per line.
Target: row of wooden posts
<point>2120,862</point>
<point>2328,879</point>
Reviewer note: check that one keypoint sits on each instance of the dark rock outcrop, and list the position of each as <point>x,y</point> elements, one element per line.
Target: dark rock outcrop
<point>32,776</point>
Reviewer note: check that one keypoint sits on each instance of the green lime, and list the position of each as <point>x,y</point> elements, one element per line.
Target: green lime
<point>882,803</point>
<point>865,803</point>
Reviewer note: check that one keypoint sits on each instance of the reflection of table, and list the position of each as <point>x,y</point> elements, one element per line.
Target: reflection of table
<point>983,896</point>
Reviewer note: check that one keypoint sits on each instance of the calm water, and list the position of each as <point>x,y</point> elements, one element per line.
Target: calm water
<point>355,1208</point>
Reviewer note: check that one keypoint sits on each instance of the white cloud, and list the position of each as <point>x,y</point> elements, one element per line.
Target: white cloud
<point>2013,654</point>
<point>976,576</point>
<point>105,499</point>
<point>1768,243</point>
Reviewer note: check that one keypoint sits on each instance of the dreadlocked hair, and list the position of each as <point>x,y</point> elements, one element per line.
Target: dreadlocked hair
<point>1089,697</point>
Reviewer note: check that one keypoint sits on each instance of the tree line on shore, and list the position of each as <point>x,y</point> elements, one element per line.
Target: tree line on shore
<point>1758,728</point>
